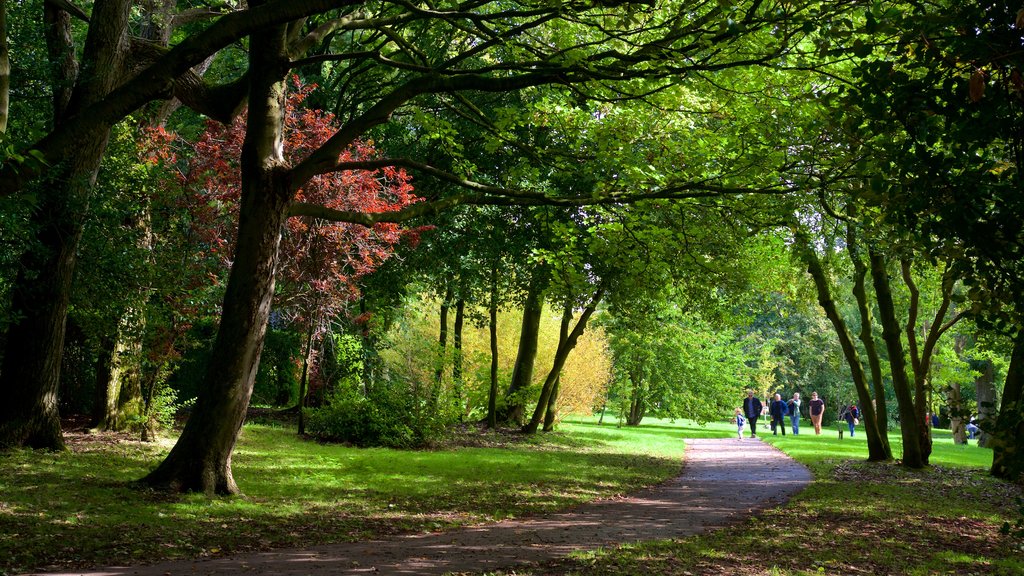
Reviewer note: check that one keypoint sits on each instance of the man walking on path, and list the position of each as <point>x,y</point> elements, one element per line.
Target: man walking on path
<point>777,409</point>
<point>794,412</point>
<point>752,410</point>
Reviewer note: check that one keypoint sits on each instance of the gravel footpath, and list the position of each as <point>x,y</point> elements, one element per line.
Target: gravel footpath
<point>723,482</point>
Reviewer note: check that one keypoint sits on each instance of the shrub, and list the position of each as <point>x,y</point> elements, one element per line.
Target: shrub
<point>391,414</point>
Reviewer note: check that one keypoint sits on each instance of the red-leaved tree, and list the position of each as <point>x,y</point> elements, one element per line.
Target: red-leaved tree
<point>321,262</point>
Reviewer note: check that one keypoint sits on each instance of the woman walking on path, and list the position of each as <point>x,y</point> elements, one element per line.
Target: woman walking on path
<point>752,410</point>
<point>817,410</point>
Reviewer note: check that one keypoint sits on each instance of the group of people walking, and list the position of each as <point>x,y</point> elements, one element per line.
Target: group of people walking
<point>778,409</point>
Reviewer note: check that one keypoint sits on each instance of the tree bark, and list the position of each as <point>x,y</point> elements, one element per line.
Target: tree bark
<point>909,423</point>
<point>878,445</point>
<point>565,346</point>
<point>529,334</point>
<point>442,337</point>
<point>201,459</point>
<point>1007,436</point>
<point>919,364</point>
<point>866,336</point>
<point>638,399</point>
<point>988,405</point>
<point>552,409</point>
<point>460,319</point>
<point>492,326</point>
<point>304,380</point>
<point>30,375</point>
<point>5,69</point>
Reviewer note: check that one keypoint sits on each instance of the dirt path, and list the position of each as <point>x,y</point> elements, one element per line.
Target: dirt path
<point>722,482</point>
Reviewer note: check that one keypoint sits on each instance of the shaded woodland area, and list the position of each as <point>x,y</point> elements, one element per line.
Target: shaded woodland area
<point>394,218</point>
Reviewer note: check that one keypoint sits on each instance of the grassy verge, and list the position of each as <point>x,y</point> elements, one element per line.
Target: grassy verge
<point>78,508</point>
<point>856,518</point>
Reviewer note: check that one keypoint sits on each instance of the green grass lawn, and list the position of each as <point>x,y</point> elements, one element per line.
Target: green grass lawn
<point>79,508</point>
<point>856,518</point>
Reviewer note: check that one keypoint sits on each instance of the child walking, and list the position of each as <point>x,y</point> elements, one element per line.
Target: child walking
<point>740,421</point>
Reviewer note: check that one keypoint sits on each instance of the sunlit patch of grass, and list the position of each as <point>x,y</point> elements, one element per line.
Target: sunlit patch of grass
<point>856,518</point>
<point>80,507</point>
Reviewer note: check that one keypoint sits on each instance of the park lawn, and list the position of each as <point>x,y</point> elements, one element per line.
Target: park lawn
<point>78,508</point>
<point>856,518</point>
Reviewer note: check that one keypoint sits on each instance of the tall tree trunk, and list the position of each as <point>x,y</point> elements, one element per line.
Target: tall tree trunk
<point>867,337</point>
<point>460,318</point>
<point>304,380</point>
<point>492,326</point>
<point>30,374</point>
<point>638,399</point>
<point>5,69</point>
<point>909,423</point>
<point>565,346</point>
<point>529,334</point>
<point>442,337</point>
<point>201,459</point>
<point>552,409</point>
<point>957,422</point>
<point>120,384</point>
<point>1007,436</point>
<point>918,365</point>
<point>988,405</point>
<point>878,445</point>
<point>958,416</point>
<point>104,407</point>
<point>923,363</point>
<point>551,414</point>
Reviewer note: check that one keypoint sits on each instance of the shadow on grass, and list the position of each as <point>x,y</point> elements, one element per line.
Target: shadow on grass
<point>73,509</point>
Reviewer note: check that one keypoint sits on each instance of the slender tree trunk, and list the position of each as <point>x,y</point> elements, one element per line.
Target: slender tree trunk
<point>104,407</point>
<point>5,69</point>
<point>522,372</point>
<point>957,422</point>
<point>878,446</point>
<point>492,325</point>
<point>201,459</point>
<point>565,346</point>
<point>909,423</point>
<point>958,416</point>
<point>1007,436</point>
<point>637,403</point>
<point>460,318</point>
<point>919,365</point>
<point>551,414</point>
<point>988,405</point>
<point>442,338</point>
<point>120,385</point>
<point>867,338</point>
<point>304,380</point>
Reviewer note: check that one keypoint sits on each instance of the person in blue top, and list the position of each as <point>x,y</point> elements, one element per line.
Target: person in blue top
<point>794,412</point>
<point>851,414</point>
<point>752,410</point>
<point>739,420</point>
<point>778,410</point>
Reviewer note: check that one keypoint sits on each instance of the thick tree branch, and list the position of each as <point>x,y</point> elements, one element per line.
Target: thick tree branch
<point>70,8</point>
<point>157,80</point>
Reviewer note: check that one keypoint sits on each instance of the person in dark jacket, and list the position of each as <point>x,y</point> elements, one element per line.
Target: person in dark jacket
<point>778,410</point>
<point>752,410</point>
<point>851,414</point>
